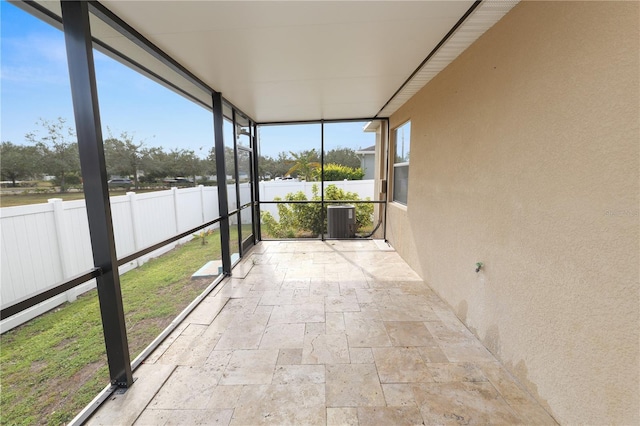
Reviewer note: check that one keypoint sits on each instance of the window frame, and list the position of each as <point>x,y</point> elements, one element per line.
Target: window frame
<point>396,165</point>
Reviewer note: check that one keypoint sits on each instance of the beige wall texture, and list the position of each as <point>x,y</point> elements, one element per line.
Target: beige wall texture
<point>525,156</point>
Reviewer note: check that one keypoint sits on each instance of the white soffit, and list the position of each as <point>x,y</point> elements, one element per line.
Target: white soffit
<point>477,23</point>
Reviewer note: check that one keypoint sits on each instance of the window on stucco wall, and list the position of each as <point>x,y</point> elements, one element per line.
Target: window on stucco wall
<point>402,145</point>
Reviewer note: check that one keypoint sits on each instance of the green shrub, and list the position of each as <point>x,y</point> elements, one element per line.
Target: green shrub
<point>304,219</point>
<point>335,172</point>
<point>364,211</point>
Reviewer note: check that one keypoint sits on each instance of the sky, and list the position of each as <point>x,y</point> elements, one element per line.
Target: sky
<point>34,85</point>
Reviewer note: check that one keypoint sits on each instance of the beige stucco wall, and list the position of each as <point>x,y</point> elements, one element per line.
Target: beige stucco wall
<point>525,156</point>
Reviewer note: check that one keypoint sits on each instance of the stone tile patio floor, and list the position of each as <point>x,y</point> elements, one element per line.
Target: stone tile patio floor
<point>322,333</point>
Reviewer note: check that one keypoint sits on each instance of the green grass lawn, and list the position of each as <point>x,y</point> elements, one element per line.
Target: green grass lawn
<point>11,200</point>
<point>54,365</point>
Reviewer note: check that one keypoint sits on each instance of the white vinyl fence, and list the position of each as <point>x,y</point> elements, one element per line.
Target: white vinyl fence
<point>44,244</point>
<point>279,188</point>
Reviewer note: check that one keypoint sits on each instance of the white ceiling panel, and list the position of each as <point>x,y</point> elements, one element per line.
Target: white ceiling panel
<point>290,61</point>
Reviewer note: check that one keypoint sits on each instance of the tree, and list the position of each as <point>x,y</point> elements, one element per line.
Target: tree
<point>189,164</point>
<point>177,162</point>
<point>274,166</point>
<point>172,166</point>
<point>229,161</point>
<point>281,164</point>
<point>209,165</point>
<point>343,156</point>
<point>306,165</point>
<point>124,156</point>
<point>18,161</point>
<point>153,163</point>
<point>58,148</point>
<point>266,167</point>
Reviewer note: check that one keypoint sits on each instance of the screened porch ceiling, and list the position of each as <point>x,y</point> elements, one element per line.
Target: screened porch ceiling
<point>294,61</point>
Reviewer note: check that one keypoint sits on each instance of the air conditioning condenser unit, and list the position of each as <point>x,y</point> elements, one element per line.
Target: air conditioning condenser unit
<point>341,221</point>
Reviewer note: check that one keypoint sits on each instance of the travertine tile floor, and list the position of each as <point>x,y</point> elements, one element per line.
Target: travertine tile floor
<point>322,333</point>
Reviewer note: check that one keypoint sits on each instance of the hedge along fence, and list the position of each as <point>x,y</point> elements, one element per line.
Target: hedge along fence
<point>336,172</point>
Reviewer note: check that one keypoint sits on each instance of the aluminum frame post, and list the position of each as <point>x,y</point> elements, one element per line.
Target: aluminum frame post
<point>322,214</point>
<point>257,229</point>
<point>221,173</point>
<point>236,180</point>
<point>84,94</point>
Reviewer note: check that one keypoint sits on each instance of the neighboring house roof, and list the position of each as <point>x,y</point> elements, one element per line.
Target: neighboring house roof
<point>369,150</point>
